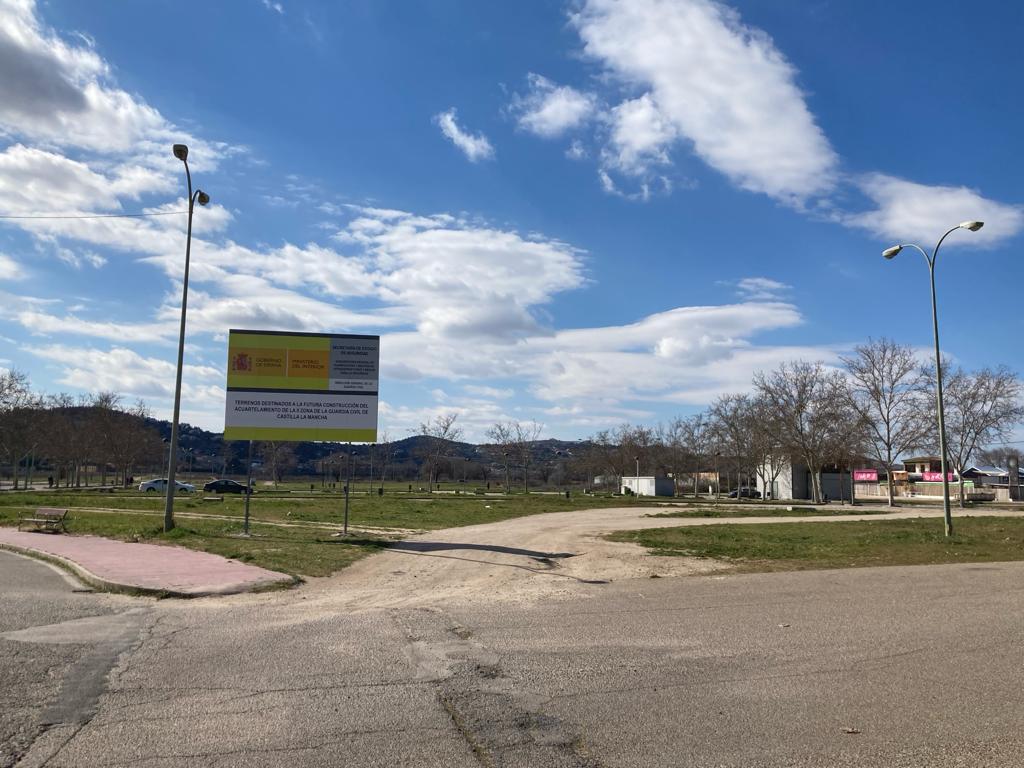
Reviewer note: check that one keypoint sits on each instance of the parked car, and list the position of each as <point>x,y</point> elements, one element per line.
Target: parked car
<point>225,486</point>
<point>745,493</point>
<point>160,484</point>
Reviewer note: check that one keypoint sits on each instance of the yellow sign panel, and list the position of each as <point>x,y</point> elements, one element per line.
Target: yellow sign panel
<point>290,386</point>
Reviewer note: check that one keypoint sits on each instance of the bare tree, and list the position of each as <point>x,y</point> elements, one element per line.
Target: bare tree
<point>697,434</point>
<point>516,439</point>
<point>732,422</point>
<point>280,457</point>
<point>438,432</point>
<point>808,402</point>
<point>385,456</point>
<point>981,408</point>
<point>888,390</point>
<point>767,453</point>
<point>19,422</point>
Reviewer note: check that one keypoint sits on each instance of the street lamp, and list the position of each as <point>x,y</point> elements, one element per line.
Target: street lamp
<point>890,253</point>
<point>180,152</point>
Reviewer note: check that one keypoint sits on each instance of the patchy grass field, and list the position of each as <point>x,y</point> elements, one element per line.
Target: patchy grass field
<point>291,530</point>
<point>804,546</point>
<point>295,550</point>
<point>417,511</point>
<point>765,511</point>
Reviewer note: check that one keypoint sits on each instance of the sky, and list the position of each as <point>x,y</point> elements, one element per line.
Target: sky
<point>580,213</point>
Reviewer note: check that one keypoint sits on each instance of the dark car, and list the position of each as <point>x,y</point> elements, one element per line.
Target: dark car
<point>224,486</point>
<point>745,493</point>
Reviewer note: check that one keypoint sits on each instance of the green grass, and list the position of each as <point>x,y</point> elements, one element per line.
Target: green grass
<point>418,511</point>
<point>743,511</point>
<point>303,551</point>
<point>301,548</point>
<point>803,546</point>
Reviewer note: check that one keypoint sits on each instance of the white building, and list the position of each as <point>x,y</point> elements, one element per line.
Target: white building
<point>649,486</point>
<point>794,483</point>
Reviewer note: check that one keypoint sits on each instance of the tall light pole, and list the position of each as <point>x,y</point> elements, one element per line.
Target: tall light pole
<point>180,152</point>
<point>890,253</point>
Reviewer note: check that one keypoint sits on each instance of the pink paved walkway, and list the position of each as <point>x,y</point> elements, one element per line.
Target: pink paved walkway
<point>145,566</point>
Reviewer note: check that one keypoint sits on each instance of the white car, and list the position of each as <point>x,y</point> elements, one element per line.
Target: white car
<point>160,485</point>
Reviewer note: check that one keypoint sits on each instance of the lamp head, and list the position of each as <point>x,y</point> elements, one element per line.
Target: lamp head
<point>181,152</point>
<point>974,226</point>
<point>890,253</point>
<point>203,197</point>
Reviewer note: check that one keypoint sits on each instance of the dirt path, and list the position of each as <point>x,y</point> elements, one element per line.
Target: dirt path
<point>528,558</point>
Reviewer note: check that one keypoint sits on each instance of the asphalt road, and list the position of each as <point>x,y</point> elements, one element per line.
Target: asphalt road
<point>58,641</point>
<point>917,666</point>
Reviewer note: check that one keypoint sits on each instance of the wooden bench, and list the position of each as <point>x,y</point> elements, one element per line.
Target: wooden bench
<point>46,518</point>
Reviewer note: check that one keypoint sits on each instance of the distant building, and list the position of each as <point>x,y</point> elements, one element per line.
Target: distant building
<point>649,486</point>
<point>794,482</point>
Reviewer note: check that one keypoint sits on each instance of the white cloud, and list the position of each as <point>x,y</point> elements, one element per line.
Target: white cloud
<point>640,136</point>
<point>58,92</point>
<point>447,277</point>
<point>276,7</point>
<point>125,371</point>
<point>549,110</point>
<point>490,392</point>
<point>688,354</point>
<point>762,289</point>
<point>577,151</point>
<point>909,211</point>
<point>10,269</point>
<point>474,147</point>
<point>719,84</point>
<point>45,323</point>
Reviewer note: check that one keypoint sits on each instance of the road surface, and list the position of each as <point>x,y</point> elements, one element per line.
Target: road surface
<point>532,643</point>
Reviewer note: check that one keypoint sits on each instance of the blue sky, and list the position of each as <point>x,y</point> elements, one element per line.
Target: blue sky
<point>580,213</point>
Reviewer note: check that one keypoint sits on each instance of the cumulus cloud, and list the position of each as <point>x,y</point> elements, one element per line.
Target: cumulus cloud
<point>549,110</point>
<point>62,93</point>
<point>123,370</point>
<point>640,136</point>
<point>906,210</point>
<point>457,299</point>
<point>721,85</point>
<point>474,146</point>
<point>677,354</point>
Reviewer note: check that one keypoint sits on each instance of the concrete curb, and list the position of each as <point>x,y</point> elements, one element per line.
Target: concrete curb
<point>105,585</point>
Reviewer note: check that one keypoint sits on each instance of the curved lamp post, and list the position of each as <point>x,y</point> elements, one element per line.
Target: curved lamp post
<point>890,253</point>
<point>180,152</point>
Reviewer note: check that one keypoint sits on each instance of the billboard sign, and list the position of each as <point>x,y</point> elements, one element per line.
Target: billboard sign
<point>865,475</point>
<point>302,386</point>
<point>935,477</point>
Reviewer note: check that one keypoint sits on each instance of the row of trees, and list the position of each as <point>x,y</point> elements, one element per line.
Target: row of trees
<point>69,434</point>
<point>881,406</point>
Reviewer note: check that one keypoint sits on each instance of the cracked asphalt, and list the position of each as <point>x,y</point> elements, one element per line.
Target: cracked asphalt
<point>910,666</point>
<point>58,641</point>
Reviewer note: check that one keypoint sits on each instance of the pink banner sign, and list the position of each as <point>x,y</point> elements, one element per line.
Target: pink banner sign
<point>935,477</point>
<point>865,475</point>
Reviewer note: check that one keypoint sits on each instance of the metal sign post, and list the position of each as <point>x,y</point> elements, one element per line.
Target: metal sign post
<point>248,490</point>
<point>1013,477</point>
<point>348,488</point>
